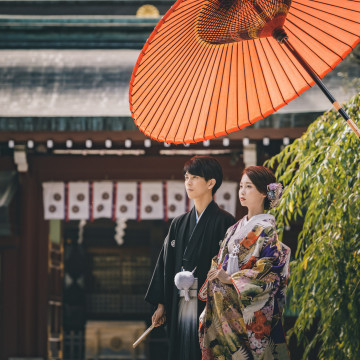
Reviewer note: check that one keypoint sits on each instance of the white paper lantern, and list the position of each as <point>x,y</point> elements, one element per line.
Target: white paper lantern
<point>227,196</point>
<point>176,198</point>
<point>102,199</point>
<point>152,201</point>
<point>126,200</point>
<point>78,205</point>
<point>54,200</point>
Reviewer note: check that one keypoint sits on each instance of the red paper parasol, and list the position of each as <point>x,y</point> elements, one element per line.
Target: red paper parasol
<point>213,67</point>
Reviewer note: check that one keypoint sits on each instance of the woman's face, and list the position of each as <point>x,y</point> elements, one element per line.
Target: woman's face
<point>249,195</point>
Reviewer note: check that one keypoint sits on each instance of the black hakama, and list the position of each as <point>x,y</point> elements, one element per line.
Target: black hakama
<point>187,245</point>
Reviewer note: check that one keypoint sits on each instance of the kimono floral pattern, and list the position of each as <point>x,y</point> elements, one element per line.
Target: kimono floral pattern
<point>243,320</point>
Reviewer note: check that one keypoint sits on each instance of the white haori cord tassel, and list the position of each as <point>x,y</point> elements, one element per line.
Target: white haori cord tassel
<point>184,280</point>
<point>233,262</point>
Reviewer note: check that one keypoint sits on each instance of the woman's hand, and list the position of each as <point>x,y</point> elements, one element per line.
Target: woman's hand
<point>221,274</point>
<point>159,316</point>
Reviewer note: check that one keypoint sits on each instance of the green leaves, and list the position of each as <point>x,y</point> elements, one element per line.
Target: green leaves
<point>321,176</point>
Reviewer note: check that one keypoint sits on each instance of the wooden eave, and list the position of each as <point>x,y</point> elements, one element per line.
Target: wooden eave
<point>137,136</point>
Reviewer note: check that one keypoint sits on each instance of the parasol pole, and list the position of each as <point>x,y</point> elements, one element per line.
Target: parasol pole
<point>281,36</point>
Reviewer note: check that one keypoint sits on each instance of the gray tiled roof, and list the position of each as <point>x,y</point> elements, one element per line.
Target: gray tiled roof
<point>94,83</point>
<point>65,82</point>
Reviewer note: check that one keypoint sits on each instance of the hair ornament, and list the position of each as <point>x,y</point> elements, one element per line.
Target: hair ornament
<point>274,193</point>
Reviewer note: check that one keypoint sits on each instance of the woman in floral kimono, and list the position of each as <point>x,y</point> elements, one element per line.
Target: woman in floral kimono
<point>245,287</point>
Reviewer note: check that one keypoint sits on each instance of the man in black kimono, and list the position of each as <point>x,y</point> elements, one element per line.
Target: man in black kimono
<point>192,241</point>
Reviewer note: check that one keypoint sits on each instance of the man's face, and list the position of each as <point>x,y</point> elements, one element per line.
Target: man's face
<point>196,186</point>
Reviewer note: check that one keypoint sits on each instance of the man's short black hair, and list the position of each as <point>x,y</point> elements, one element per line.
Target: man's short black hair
<point>206,167</point>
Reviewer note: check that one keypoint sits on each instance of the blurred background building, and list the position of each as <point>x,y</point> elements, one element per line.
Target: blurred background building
<point>72,282</point>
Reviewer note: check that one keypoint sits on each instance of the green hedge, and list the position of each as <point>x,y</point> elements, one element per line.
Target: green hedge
<point>321,175</point>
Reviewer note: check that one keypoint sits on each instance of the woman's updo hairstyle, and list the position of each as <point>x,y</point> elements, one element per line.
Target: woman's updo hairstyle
<point>261,177</point>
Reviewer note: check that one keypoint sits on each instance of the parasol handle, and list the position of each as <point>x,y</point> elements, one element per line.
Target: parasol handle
<point>143,336</point>
<point>281,36</point>
<point>350,121</point>
<point>353,126</point>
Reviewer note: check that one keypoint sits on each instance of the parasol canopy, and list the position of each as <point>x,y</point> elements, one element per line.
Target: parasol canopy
<point>213,67</point>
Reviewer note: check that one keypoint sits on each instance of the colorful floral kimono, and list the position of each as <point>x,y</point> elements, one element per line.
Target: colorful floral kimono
<point>243,320</point>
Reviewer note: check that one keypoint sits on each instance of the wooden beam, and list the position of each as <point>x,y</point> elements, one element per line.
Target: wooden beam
<point>75,136</point>
<point>271,133</point>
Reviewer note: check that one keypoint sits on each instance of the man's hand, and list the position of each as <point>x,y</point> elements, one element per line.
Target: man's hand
<point>221,274</point>
<point>159,317</point>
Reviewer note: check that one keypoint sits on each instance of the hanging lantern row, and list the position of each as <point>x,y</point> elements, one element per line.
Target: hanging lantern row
<point>147,143</point>
<point>30,144</point>
<point>151,200</point>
